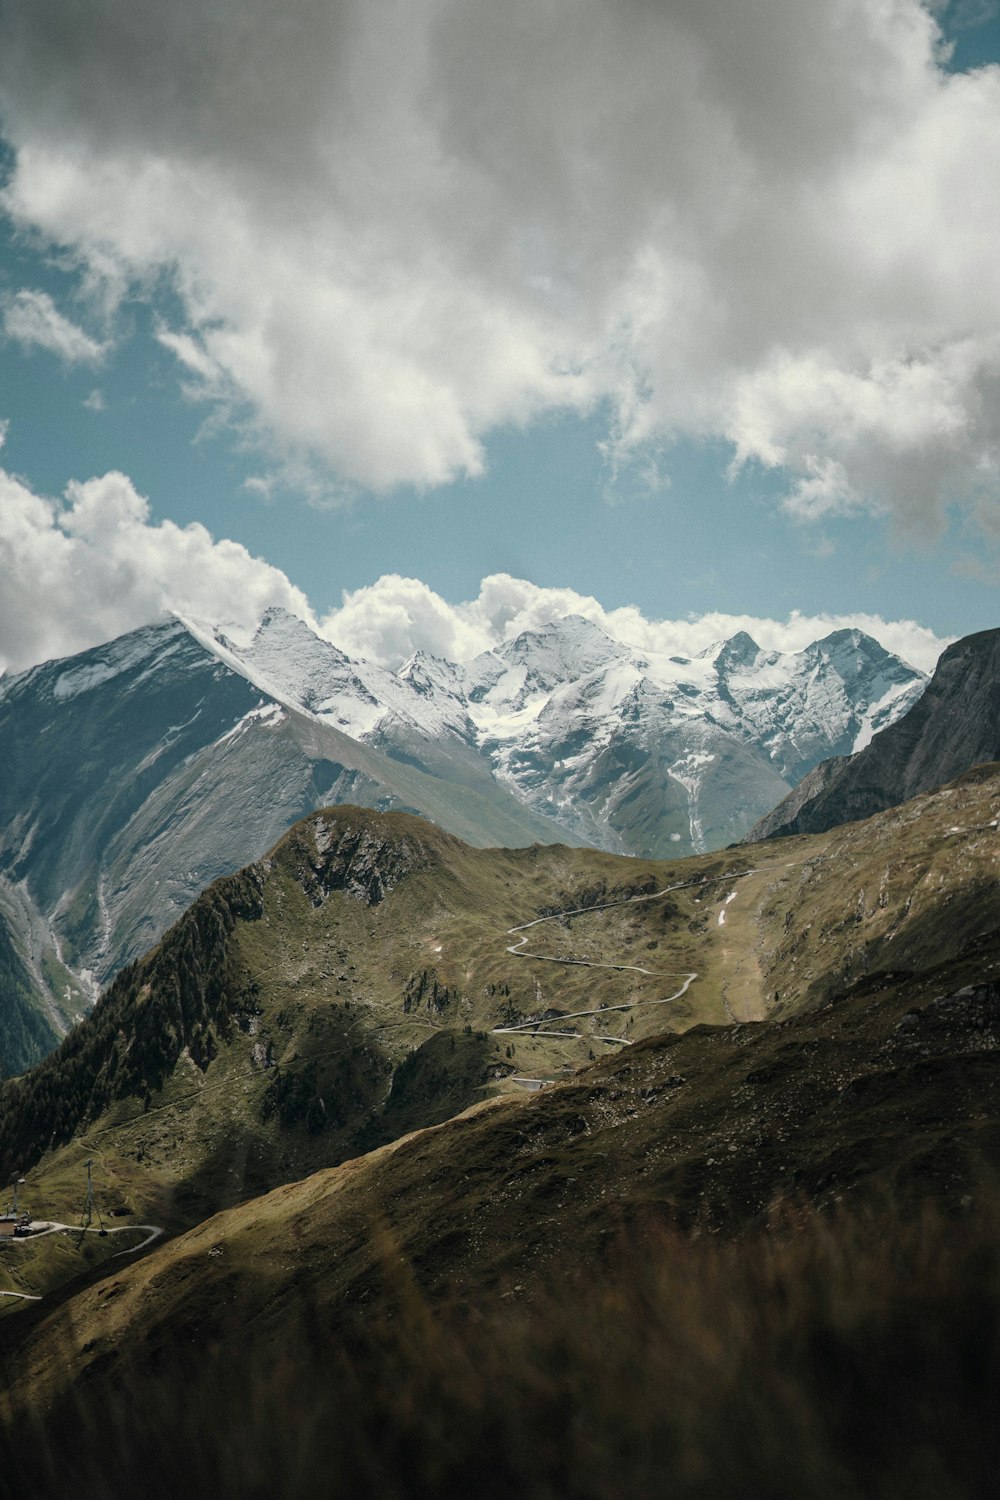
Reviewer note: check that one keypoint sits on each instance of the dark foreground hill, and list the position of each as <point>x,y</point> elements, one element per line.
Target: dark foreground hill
<point>955,725</point>
<point>820,1357</point>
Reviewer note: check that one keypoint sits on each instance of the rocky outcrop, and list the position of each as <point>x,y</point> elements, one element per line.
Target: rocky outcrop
<point>353,852</point>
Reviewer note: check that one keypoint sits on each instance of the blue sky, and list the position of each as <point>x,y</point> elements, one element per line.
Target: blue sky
<point>483,419</point>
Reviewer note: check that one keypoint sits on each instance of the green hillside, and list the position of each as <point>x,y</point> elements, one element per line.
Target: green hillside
<point>355,984</point>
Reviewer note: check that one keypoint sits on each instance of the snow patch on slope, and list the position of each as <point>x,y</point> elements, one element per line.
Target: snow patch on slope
<point>688,773</point>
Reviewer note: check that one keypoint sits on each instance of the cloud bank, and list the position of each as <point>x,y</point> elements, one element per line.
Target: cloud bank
<point>395,616</point>
<point>393,225</point>
<point>92,565</point>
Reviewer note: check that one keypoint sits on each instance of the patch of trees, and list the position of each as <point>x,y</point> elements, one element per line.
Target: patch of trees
<point>183,996</point>
<point>425,989</point>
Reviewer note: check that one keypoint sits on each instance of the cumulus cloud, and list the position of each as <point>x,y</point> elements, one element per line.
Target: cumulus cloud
<point>93,564</point>
<point>395,616</point>
<point>86,568</point>
<point>390,619</point>
<point>394,224</point>
<point>33,320</point>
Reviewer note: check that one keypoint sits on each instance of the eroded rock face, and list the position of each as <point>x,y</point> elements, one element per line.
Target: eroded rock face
<point>358,861</point>
<point>345,850</point>
<point>953,727</point>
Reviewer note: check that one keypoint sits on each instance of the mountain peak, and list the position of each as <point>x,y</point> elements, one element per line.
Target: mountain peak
<point>99,664</point>
<point>301,659</point>
<point>576,629</point>
<point>432,676</point>
<point>278,623</point>
<point>849,639</point>
<point>568,647</point>
<point>954,725</point>
<point>854,654</point>
<point>739,651</point>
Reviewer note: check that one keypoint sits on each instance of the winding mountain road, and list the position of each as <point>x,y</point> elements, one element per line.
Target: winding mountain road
<point>49,1226</point>
<point>539,1028</point>
<point>153,1232</point>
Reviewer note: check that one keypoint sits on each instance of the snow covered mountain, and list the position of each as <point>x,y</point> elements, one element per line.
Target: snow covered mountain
<point>139,771</point>
<point>647,754</point>
<point>628,752</point>
<point>633,753</point>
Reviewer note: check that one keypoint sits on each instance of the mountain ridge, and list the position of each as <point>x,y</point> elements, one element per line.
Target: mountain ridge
<point>140,771</point>
<point>953,726</point>
<point>558,714</point>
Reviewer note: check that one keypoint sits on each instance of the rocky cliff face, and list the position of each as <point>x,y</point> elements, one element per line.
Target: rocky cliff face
<point>955,725</point>
<point>353,853</point>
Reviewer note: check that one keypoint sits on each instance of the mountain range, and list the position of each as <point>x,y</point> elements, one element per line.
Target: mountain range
<point>139,771</point>
<point>625,751</point>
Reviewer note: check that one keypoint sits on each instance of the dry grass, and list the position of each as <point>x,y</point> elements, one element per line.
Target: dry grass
<point>824,1356</point>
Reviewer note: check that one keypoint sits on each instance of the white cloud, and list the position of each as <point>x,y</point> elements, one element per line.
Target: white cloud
<point>390,619</point>
<point>82,570</point>
<point>396,224</point>
<point>395,616</point>
<point>34,321</point>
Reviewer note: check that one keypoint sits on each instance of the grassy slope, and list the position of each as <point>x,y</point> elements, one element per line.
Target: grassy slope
<point>824,1355</point>
<point>868,1080</point>
<point>260,1039</point>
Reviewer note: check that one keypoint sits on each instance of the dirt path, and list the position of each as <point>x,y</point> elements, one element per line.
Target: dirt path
<point>742,980</point>
<point>152,1232</point>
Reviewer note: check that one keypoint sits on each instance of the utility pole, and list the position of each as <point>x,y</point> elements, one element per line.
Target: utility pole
<point>88,1207</point>
<point>16,1181</point>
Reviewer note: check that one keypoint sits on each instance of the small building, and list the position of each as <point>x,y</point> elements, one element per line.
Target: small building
<point>8,1226</point>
